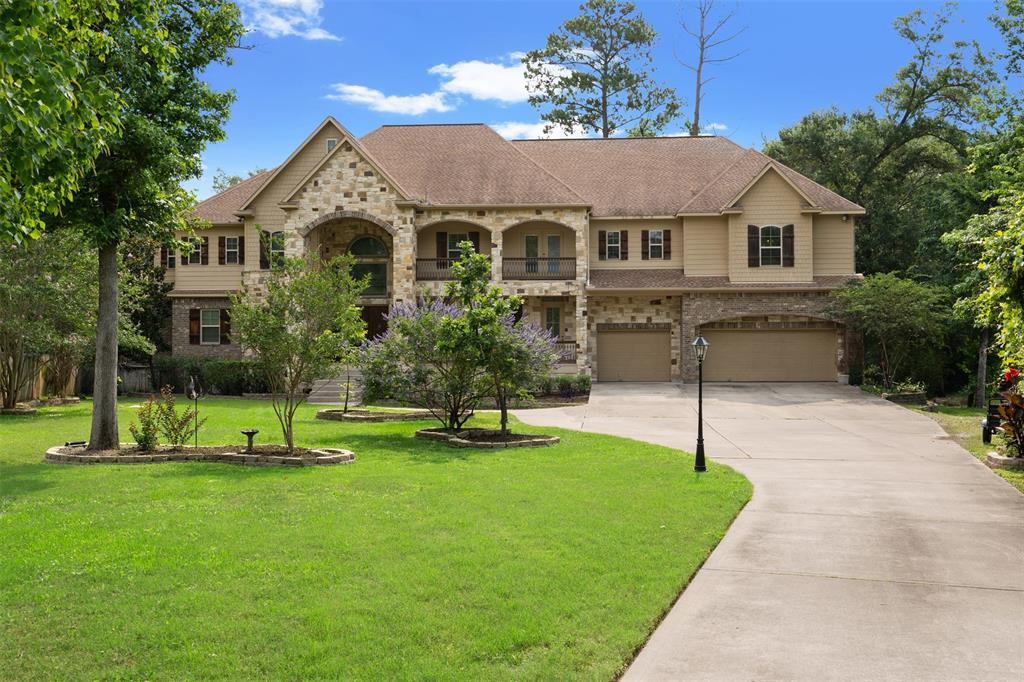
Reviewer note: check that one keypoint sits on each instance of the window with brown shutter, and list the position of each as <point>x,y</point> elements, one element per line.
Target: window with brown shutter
<point>241,250</point>
<point>667,244</point>
<point>204,251</point>
<point>624,244</point>
<point>645,244</point>
<point>225,326</point>
<point>602,244</point>
<point>788,258</point>
<point>163,257</point>
<point>193,326</point>
<point>221,249</point>
<point>753,246</point>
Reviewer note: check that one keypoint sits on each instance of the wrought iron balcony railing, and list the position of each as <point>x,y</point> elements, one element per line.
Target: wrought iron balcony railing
<point>538,268</point>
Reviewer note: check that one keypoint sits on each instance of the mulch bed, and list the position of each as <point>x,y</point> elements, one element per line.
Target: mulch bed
<point>373,416</point>
<point>261,455</point>
<point>486,439</point>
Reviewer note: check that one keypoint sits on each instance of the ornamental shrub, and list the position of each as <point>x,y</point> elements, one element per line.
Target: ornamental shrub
<point>233,377</point>
<point>177,429</point>
<point>146,431</point>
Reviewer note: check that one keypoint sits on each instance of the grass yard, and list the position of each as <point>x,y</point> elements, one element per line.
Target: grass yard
<point>964,425</point>
<point>416,562</point>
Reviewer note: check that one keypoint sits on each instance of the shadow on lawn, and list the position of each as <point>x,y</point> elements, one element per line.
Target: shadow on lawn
<point>20,480</point>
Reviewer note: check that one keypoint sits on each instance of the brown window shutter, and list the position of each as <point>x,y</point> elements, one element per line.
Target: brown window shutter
<point>241,250</point>
<point>264,250</point>
<point>225,326</point>
<point>602,244</point>
<point>163,257</point>
<point>204,251</point>
<point>623,245</point>
<point>645,244</point>
<point>666,240</point>
<point>441,243</point>
<point>753,246</point>
<point>788,258</point>
<point>221,248</point>
<point>475,238</point>
<point>193,326</point>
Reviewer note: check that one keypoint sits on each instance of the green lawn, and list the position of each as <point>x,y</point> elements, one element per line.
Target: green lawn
<point>416,562</point>
<point>964,425</point>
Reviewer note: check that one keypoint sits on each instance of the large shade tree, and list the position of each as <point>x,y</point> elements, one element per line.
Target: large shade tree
<point>596,74</point>
<point>168,115</point>
<point>57,111</point>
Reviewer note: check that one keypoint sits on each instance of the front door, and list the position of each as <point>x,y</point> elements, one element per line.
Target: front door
<point>373,316</point>
<point>554,253</point>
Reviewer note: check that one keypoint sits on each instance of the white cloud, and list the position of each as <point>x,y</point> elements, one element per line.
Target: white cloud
<point>518,130</point>
<point>277,18</point>
<point>485,80</point>
<point>413,105</point>
<point>714,127</point>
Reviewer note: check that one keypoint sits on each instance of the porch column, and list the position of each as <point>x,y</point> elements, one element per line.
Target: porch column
<point>496,242</point>
<point>403,260</point>
<point>582,335</point>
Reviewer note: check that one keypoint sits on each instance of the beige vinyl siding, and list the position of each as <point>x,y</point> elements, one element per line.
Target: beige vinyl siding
<point>266,212</point>
<point>211,277</point>
<point>635,253</point>
<point>706,246</point>
<point>833,246</point>
<point>771,201</point>
<point>426,239</point>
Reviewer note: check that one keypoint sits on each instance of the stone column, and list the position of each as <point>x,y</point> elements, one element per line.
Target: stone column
<point>582,333</point>
<point>496,238</point>
<point>403,263</point>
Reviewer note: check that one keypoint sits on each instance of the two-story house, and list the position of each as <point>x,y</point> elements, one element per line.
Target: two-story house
<point>626,249</point>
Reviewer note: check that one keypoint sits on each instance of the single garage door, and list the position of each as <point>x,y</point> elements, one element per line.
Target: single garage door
<point>634,355</point>
<point>770,355</point>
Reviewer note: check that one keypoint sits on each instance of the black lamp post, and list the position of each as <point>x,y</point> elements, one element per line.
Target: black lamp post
<point>700,350</point>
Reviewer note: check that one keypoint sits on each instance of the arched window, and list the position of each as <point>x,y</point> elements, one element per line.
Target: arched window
<point>771,245</point>
<point>372,259</point>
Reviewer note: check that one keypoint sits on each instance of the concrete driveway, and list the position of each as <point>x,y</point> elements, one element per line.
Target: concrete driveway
<point>874,547</point>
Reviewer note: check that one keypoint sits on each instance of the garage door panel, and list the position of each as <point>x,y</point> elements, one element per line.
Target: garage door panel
<point>770,355</point>
<point>634,356</point>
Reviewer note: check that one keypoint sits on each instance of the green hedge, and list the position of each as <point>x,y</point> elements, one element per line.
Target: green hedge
<point>218,377</point>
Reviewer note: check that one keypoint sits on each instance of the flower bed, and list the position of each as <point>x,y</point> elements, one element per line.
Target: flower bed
<point>263,455</point>
<point>485,439</point>
<point>359,415</point>
<point>997,461</point>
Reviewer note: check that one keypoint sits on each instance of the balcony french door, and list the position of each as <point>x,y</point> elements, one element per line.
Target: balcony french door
<point>532,251</point>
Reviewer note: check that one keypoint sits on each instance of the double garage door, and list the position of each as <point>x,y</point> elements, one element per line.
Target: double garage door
<point>734,355</point>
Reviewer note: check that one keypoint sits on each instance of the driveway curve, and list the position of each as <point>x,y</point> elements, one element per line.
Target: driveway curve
<point>874,547</point>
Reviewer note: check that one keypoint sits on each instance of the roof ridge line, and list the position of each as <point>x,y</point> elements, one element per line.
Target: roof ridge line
<point>712,181</point>
<point>542,168</point>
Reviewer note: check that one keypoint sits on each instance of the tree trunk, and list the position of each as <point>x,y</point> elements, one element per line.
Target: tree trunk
<point>503,406</point>
<point>348,385</point>
<point>104,434</point>
<point>980,391</point>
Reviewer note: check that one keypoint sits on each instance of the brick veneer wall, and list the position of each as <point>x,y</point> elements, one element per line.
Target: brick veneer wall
<point>703,308</point>
<point>642,309</point>
<point>179,330</point>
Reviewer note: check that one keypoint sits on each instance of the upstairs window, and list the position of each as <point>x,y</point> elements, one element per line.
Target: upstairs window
<point>277,246</point>
<point>771,245</point>
<point>454,239</point>
<point>656,245</point>
<point>231,250</point>
<point>332,142</point>
<point>614,245</point>
<point>368,246</point>
<point>195,256</point>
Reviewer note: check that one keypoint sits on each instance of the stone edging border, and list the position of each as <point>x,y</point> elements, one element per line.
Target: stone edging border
<point>373,417</point>
<point>323,457</point>
<point>453,440</point>
<point>996,461</point>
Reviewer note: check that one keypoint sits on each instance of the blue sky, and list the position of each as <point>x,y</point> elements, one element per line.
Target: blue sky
<point>384,62</point>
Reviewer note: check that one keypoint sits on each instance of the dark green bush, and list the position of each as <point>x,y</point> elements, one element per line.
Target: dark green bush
<point>232,377</point>
<point>583,382</point>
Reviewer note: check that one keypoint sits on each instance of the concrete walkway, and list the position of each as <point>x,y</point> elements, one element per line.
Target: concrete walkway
<point>874,547</point>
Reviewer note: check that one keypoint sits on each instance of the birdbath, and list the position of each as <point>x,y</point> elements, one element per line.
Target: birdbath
<point>250,434</point>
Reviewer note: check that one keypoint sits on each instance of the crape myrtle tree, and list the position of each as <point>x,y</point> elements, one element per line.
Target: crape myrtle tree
<point>595,74</point>
<point>58,111</point>
<point>167,114</point>
<point>298,328</point>
<point>900,319</point>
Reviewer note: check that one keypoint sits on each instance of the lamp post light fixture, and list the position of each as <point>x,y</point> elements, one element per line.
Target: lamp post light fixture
<point>700,351</point>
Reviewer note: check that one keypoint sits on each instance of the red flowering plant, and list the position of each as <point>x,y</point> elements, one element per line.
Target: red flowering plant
<point>1012,411</point>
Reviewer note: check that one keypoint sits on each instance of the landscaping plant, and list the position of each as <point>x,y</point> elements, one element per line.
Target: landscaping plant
<point>298,327</point>
<point>177,429</point>
<point>1012,412</point>
<point>146,431</point>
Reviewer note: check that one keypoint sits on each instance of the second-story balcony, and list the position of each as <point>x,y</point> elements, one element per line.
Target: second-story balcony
<point>538,268</point>
<point>433,269</point>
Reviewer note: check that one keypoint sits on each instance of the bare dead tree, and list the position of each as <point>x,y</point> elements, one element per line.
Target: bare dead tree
<point>709,35</point>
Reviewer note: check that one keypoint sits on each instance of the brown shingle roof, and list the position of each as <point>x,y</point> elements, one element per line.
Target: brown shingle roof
<point>677,280</point>
<point>463,164</point>
<point>220,208</point>
<point>664,175</point>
